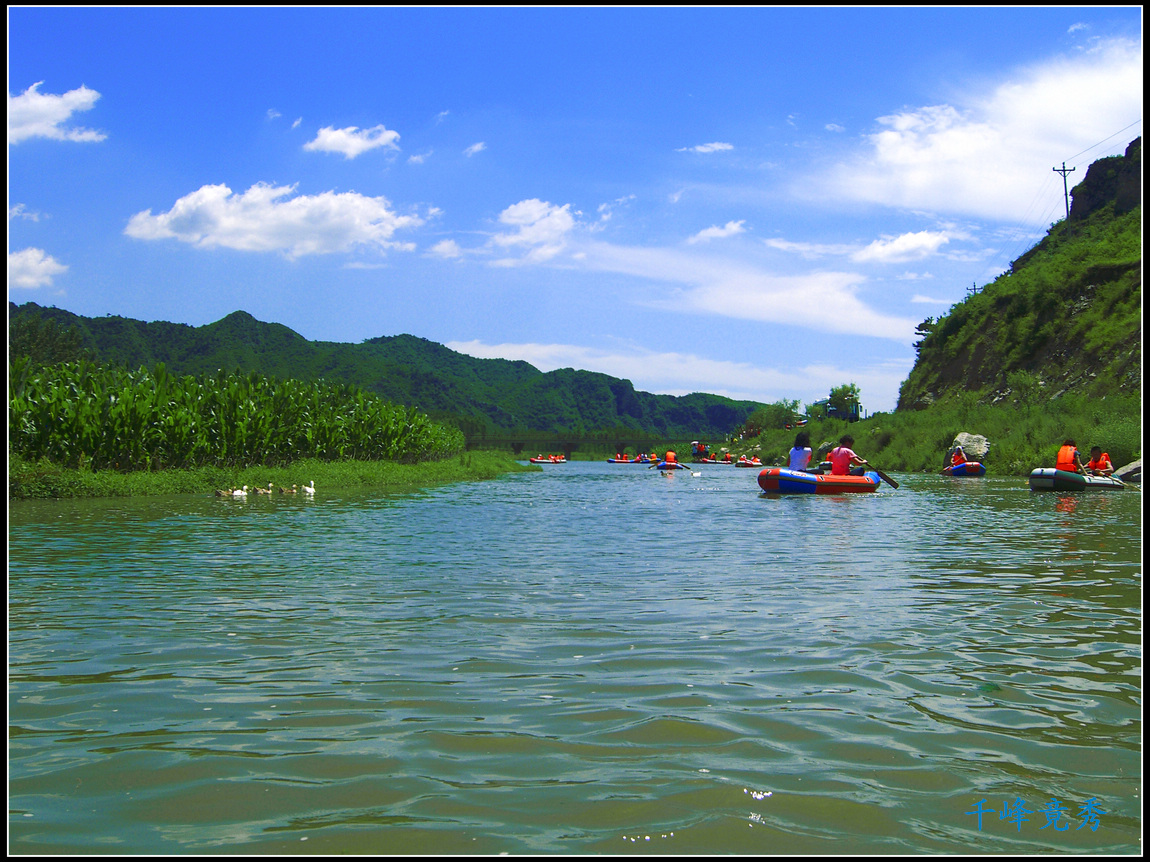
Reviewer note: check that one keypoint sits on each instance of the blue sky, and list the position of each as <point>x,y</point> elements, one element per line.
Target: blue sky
<point>760,203</point>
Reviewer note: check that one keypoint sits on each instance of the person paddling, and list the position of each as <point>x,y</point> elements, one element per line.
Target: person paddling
<point>1099,463</point>
<point>843,458</point>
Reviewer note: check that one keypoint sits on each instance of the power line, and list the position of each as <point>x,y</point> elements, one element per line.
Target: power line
<point>1104,140</point>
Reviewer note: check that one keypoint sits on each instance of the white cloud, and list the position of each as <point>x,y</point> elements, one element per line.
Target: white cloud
<point>295,124</point>
<point>273,114</point>
<point>990,152</point>
<point>353,141</point>
<point>731,228</point>
<point>541,226</point>
<point>900,249</point>
<point>475,148</point>
<point>418,158</point>
<point>715,147</point>
<point>446,249</point>
<point>33,114</point>
<point>834,127</point>
<point>265,218</point>
<point>32,267</point>
<point>930,300</point>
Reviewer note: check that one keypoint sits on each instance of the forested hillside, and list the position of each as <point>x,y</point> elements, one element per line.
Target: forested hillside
<point>495,394</point>
<point>1065,317</point>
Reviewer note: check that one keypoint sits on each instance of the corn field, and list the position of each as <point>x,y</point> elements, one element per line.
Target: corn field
<point>81,414</point>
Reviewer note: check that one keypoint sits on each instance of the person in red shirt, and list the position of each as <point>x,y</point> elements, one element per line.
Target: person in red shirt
<point>1099,463</point>
<point>958,457</point>
<point>843,458</point>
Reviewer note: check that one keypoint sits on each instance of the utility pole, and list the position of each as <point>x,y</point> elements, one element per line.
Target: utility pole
<point>1065,191</point>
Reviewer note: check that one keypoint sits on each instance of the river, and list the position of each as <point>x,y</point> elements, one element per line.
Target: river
<point>592,659</point>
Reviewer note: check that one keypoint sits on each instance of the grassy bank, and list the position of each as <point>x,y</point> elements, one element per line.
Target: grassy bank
<point>28,480</point>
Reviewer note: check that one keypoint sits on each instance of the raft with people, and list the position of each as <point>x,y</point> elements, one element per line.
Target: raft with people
<point>549,459</point>
<point>783,480</point>
<point>1053,479</point>
<point>965,468</point>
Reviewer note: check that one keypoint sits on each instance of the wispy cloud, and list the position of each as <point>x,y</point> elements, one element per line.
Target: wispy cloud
<point>810,250</point>
<point>710,284</point>
<point>475,148</point>
<point>731,228</point>
<point>266,218</point>
<point>33,114</point>
<point>353,141</point>
<point>716,147</point>
<point>898,249</point>
<point>673,373</point>
<point>31,268</point>
<point>22,212</point>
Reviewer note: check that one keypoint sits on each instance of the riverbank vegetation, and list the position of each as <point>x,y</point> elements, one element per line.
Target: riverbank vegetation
<point>43,479</point>
<point>82,429</point>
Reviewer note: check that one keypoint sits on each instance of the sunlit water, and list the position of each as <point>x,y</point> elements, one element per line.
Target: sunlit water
<point>595,658</point>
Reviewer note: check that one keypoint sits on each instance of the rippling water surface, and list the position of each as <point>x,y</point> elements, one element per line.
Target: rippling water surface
<point>595,658</point>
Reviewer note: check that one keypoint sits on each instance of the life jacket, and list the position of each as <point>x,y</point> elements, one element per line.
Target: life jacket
<point>1066,459</point>
<point>1102,463</point>
<point>957,458</point>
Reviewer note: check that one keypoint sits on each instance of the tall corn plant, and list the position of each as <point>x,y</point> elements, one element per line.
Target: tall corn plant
<point>80,414</point>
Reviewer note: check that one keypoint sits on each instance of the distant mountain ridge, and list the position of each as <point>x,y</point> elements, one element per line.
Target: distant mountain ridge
<point>1067,315</point>
<point>499,394</point>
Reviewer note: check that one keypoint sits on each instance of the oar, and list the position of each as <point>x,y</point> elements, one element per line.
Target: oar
<point>884,476</point>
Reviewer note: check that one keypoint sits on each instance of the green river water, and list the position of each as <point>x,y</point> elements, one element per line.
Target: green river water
<point>592,659</point>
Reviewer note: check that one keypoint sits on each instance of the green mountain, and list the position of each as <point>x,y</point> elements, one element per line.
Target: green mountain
<point>498,394</point>
<point>1067,316</point>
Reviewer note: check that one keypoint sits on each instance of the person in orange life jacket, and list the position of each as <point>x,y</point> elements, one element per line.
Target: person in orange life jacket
<point>958,457</point>
<point>843,458</point>
<point>1068,458</point>
<point>1099,463</point>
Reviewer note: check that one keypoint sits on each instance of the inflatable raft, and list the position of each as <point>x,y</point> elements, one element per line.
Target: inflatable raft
<point>1049,479</point>
<point>782,480</point>
<point>969,468</point>
<point>671,465</point>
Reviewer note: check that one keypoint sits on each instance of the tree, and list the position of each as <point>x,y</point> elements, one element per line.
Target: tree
<point>844,400</point>
<point>44,342</point>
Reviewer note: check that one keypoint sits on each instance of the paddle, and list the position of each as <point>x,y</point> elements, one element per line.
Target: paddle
<point>883,476</point>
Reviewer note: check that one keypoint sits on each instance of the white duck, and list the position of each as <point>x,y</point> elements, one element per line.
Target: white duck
<point>309,489</point>
<point>240,492</point>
